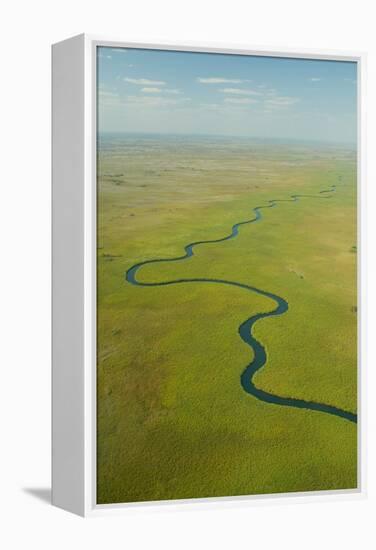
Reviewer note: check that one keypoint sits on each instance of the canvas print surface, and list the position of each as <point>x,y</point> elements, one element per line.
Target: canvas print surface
<point>226,263</point>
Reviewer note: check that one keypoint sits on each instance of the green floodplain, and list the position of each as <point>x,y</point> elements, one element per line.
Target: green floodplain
<point>173,419</point>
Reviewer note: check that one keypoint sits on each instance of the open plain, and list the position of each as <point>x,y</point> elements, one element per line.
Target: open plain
<point>174,418</point>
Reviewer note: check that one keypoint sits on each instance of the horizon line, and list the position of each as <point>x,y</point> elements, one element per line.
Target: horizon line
<point>238,136</point>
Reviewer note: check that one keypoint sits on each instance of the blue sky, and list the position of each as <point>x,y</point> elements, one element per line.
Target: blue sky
<point>154,91</point>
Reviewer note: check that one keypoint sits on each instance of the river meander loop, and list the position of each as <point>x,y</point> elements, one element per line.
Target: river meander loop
<point>245,329</point>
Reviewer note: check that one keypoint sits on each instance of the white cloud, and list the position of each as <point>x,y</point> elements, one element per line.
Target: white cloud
<point>315,79</point>
<point>219,80</point>
<point>240,100</point>
<point>145,82</point>
<point>239,91</point>
<point>172,91</point>
<point>151,90</point>
<point>211,106</point>
<point>155,101</point>
<point>281,101</point>
<point>107,93</point>
<point>107,97</point>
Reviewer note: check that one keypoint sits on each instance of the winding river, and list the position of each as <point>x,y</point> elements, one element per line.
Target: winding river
<point>245,329</point>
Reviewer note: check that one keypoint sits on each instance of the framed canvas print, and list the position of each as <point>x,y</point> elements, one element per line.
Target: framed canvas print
<point>206,274</point>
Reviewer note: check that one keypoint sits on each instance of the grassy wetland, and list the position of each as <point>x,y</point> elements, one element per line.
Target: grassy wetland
<point>174,420</point>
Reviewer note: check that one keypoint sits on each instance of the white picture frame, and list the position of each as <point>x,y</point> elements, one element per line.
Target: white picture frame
<point>74,275</point>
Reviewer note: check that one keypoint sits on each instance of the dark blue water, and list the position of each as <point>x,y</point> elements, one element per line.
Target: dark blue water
<point>245,329</point>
